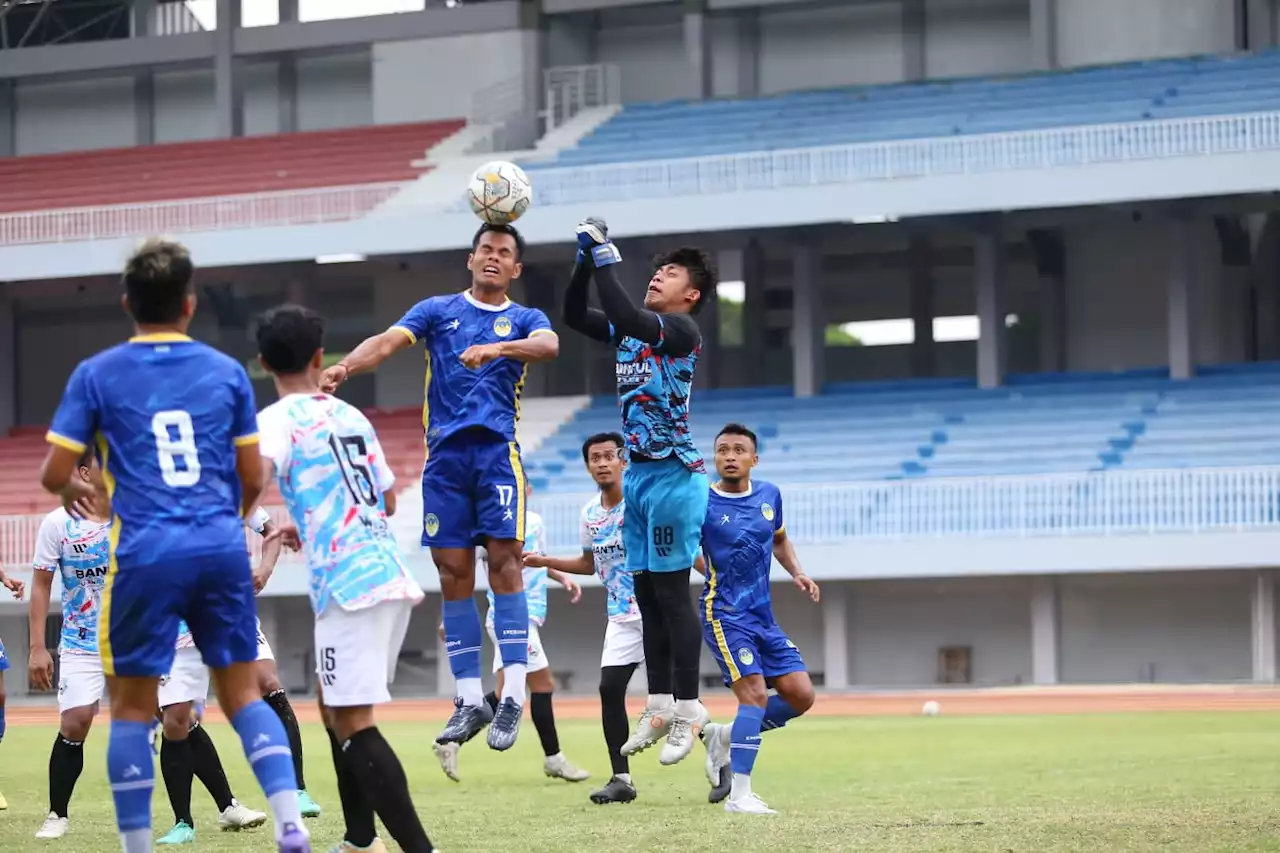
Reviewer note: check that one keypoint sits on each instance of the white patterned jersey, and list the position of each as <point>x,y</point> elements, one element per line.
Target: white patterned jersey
<point>601,534</point>
<point>535,580</point>
<point>77,550</point>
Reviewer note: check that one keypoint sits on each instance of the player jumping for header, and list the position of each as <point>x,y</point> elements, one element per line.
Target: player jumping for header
<point>665,484</point>
<point>741,536</point>
<point>479,345</point>
<point>176,436</point>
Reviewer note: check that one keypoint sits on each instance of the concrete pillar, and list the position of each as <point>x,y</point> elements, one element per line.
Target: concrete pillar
<point>835,635</point>
<point>924,362</point>
<point>988,270</point>
<point>228,100</point>
<point>143,18</point>
<point>1051,265</point>
<point>1262,30</point>
<point>1044,36</point>
<point>754,316</point>
<point>144,107</point>
<point>697,48</point>
<point>287,76</point>
<point>8,127</point>
<point>749,52</point>
<point>1264,282</point>
<point>8,363</point>
<point>807,327</point>
<point>1180,299</point>
<point>913,40</point>
<point>708,374</point>
<point>1262,607</point>
<point>1045,630</point>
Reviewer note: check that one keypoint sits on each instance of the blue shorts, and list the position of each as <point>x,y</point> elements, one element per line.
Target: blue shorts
<point>4,660</point>
<point>743,647</point>
<point>142,604</point>
<point>473,489</point>
<point>666,506</point>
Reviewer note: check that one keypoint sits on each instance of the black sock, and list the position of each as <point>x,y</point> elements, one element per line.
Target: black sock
<point>613,712</point>
<point>279,702</point>
<point>491,699</point>
<point>66,761</point>
<point>386,788</point>
<point>657,642</point>
<point>176,765</point>
<point>672,592</point>
<point>356,810</point>
<point>544,720</point>
<point>208,767</point>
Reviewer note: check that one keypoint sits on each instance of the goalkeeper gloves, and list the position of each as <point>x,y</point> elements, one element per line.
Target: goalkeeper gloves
<point>593,239</point>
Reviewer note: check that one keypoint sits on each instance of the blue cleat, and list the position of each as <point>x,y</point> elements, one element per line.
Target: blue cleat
<point>294,840</point>
<point>506,725</point>
<point>467,722</point>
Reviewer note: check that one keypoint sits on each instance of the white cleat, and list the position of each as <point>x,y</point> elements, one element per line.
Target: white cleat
<point>53,827</point>
<point>715,737</point>
<point>653,726</point>
<point>238,817</point>
<point>559,767</point>
<point>748,804</point>
<point>447,755</point>
<point>376,847</point>
<point>681,737</point>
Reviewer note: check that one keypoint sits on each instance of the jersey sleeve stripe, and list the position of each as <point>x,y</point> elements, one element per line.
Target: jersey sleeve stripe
<point>413,339</point>
<point>247,440</point>
<point>64,442</point>
<point>543,332</point>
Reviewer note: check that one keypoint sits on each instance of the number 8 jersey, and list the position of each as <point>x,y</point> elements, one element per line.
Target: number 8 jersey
<point>333,474</point>
<point>165,414</point>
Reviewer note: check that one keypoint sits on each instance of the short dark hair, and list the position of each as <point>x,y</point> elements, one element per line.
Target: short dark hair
<point>738,429</point>
<point>157,279</point>
<point>603,438</point>
<point>288,337</point>
<point>702,272</point>
<point>487,228</point>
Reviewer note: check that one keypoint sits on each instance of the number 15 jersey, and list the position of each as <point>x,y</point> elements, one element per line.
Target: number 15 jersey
<point>333,474</point>
<point>166,414</point>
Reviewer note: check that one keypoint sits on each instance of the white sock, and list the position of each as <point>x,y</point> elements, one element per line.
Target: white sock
<point>741,786</point>
<point>624,777</point>
<point>136,841</point>
<point>658,701</point>
<point>471,691</point>
<point>688,709</point>
<point>284,807</point>
<point>513,682</point>
<point>556,757</point>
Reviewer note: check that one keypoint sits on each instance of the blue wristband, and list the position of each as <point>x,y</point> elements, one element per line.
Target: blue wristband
<point>605,254</point>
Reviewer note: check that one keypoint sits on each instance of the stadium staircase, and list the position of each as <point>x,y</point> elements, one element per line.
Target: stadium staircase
<point>1162,89</point>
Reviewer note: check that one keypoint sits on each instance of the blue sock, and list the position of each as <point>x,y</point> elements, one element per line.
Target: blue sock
<point>511,624</point>
<point>744,739</point>
<point>1,721</point>
<point>266,745</point>
<point>777,713</point>
<point>132,773</point>
<point>462,638</point>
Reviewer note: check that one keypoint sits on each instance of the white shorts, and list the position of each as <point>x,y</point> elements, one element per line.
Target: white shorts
<point>623,643</point>
<point>81,681</point>
<point>537,655</point>
<point>187,681</point>
<point>357,652</point>
<point>264,648</point>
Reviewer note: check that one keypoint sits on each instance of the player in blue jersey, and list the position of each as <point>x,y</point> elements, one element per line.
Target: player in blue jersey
<point>742,534</point>
<point>16,587</point>
<point>665,484</point>
<point>479,345</point>
<point>339,491</point>
<point>173,424</point>
<point>600,532</point>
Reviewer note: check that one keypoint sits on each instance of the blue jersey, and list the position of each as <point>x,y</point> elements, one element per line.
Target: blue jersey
<point>737,539</point>
<point>600,531</point>
<point>653,392</point>
<point>458,397</point>
<point>333,474</point>
<point>166,414</point>
<point>77,551</point>
<point>535,580</point>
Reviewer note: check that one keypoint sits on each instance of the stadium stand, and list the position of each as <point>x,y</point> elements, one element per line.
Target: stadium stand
<point>218,168</point>
<point>1175,88</point>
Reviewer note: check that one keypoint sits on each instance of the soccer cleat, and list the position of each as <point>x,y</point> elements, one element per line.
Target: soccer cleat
<point>310,808</point>
<point>749,804</point>
<point>238,817</point>
<point>681,737</point>
<point>293,839</point>
<point>376,847</point>
<point>715,737</point>
<point>447,755</point>
<point>53,827</point>
<point>181,833</point>
<point>467,722</point>
<point>559,767</point>
<point>4,804</point>
<point>652,727</point>
<point>614,791</point>
<point>725,787</point>
<point>505,725</point>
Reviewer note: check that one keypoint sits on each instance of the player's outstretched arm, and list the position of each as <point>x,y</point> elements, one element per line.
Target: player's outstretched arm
<point>570,585</point>
<point>40,663</point>
<point>583,564</point>
<point>366,357</point>
<point>578,314</point>
<point>542,345</point>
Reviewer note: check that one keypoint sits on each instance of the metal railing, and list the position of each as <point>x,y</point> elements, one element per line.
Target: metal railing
<point>497,106</point>
<point>254,210</point>
<point>570,89</point>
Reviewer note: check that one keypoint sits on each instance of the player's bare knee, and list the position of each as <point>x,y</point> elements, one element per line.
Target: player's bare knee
<point>797,691</point>
<point>75,723</point>
<point>268,678</point>
<point>176,720</point>
<point>506,569</point>
<point>348,721</point>
<point>236,686</point>
<point>751,691</point>
<point>540,681</point>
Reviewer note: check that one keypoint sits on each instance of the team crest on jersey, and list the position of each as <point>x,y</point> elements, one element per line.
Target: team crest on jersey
<point>502,327</point>
<point>746,657</point>
<point>767,512</point>
<point>431,523</point>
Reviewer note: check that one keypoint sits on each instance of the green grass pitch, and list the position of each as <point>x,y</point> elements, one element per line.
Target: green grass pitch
<point>1169,782</point>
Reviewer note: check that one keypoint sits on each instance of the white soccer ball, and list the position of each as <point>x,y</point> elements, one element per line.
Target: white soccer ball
<point>931,709</point>
<point>500,192</point>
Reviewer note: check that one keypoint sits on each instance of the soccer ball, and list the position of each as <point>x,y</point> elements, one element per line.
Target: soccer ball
<point>500,192</point>
<point>931,709</point>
